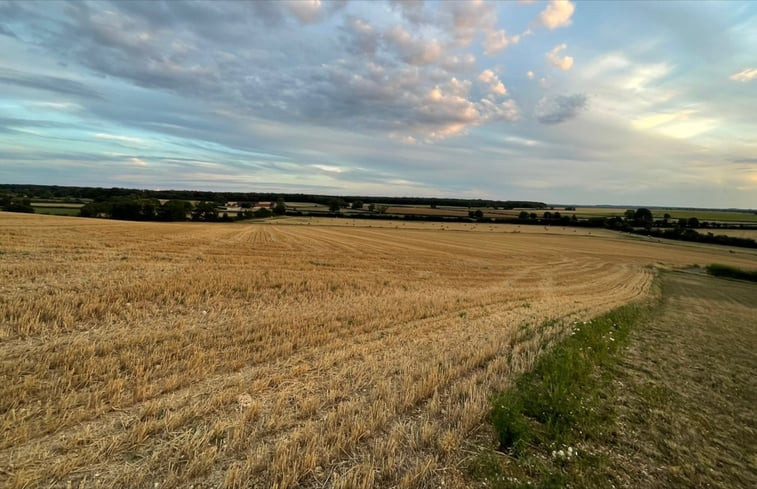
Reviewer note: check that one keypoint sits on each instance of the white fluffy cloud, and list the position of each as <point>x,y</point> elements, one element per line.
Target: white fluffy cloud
<point>745,75</point>
<point>557,14</point>
<point>468,18</point>
<point>564,63</point>
<point>491,79</point>
<point>411,50</point>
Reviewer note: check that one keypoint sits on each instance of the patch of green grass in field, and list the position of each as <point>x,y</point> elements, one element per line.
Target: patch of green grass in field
<point>57,211</point>
<point>543,422</point>
<point>719,270</point>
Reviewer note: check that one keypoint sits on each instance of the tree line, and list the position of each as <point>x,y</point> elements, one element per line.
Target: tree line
<point>135,208</point>
<point>100,194</point>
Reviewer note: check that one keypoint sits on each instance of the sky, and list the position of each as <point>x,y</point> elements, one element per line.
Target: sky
<point>626,103</point>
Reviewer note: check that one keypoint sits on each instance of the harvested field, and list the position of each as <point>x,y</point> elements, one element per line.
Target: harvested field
<point>290,353</point>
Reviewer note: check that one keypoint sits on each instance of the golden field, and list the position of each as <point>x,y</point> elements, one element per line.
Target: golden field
<point>287,353</point>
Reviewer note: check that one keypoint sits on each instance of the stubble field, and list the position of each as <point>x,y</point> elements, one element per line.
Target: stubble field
<point>291,353</point>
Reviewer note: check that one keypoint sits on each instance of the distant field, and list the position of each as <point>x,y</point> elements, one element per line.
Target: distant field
<point>56,210</point>
<point>737,233</point>
<point>290,353</point>
<point>720,216</point>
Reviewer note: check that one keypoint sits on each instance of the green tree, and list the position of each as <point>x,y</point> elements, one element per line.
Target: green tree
<point>18,204</point>
<point>280,208</point>
<point>175,210</point>
<point>262,213</point>
<point>205,211</point>
<point>336,204</point>
<point>643,215</point>
<point>358,204</point>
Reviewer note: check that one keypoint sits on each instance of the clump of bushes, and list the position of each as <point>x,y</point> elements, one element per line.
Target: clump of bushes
<point>719,270</point>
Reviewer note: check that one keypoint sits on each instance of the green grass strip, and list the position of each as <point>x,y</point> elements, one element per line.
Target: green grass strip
<point>558,407</point>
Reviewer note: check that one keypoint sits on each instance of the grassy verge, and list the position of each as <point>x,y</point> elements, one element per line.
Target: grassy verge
<point>545,422</point>
<point>732,272</point>
<point>649,396</point>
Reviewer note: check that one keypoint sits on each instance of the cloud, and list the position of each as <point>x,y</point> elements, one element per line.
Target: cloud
<point>496,87</point>
<point>681,124</point>
<point>557,14</point>
<point>745,75</point>
<point>530,75</point>
<point>411,50</point>
<point>362,37</point>
<point>565,63</point>
<point>53,84</point>
<point>496,41</point>
<point>119,138</point>
<point>458,63</point>
<point>306,11</point>
<point>412,10</point>
<point>560,109</point>
<point>468,18</point>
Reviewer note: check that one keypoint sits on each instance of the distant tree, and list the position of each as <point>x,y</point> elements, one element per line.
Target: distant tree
<point>358,204</point>
<point>643,215</point>
<point>336,204</point>
<point>630,214</point>
<point>382,209</point>
<point>477,214</point>
<point>547,215</point>
<point>280,208</point>
<point>693,222</point>
<point>262,213</point>
<point>126,208</point>
<point>523,216</point>
<point>205,211</point>
<point>682,222</point>
<point>175,210</point>
<point>18,204</point>
<point>371,207</point>
<point>532,215</point>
